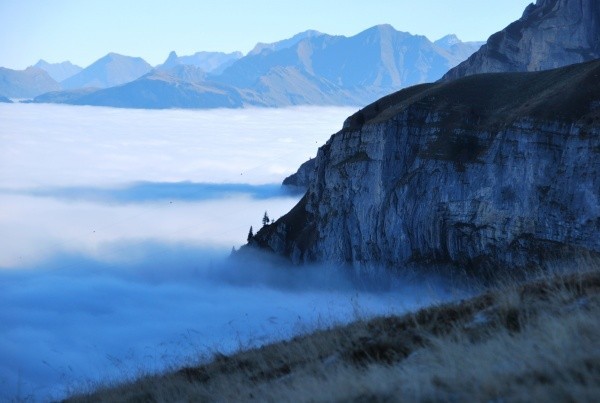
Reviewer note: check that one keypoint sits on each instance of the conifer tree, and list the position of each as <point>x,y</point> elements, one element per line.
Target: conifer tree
<point>266,220</point>
<point>250,235</point>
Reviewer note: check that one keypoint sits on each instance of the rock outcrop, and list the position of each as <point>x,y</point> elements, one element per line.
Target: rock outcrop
<point>303,176</point>
<point>550,34</point>
<point>493,170</point>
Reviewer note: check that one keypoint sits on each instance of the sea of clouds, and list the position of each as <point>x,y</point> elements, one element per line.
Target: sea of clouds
<point>116,227</point>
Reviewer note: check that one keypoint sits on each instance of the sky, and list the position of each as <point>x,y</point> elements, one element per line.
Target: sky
<point>84,31</point>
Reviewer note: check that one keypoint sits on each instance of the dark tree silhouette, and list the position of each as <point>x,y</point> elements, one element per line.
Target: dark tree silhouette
<point>266,219</point>
<point>250,235</point>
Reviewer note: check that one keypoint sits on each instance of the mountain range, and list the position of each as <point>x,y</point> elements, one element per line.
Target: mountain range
<point>308,68</point>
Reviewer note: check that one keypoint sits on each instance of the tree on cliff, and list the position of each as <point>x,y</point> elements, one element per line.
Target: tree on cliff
<point>266,220</point>
<point>250,235</point>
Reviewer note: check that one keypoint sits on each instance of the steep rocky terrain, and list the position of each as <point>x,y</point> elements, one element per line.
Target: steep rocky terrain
<point>495,170</point>
<point>550,34</point>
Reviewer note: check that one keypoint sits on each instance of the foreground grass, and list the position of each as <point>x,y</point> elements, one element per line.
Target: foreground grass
<point>538,341</point>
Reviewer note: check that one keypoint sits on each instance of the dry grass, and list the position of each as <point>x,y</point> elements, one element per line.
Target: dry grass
<point>538,341</point>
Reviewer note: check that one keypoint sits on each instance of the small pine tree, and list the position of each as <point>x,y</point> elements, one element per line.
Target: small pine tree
<point>266,220</point>
<point>250,235</point>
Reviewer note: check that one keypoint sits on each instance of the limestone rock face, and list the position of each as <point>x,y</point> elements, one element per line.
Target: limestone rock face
<point>550,34</point>
<point>498,170</point>
<point>303,175</point>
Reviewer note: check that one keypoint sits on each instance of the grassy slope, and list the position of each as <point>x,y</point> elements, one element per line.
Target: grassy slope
<point>490,101</point>
<point>538,341</point>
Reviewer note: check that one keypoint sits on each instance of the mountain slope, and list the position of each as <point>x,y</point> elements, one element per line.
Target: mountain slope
<point>109,71</point>
<point>499,170</point>
<point>157,90</point>
<point>25,83</point>
<point>58,71</point>
<point>550,34</point>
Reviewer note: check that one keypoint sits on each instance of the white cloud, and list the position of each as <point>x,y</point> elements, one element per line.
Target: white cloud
<point>45,145</point>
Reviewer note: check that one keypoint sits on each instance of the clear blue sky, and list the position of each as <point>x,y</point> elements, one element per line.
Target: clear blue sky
<point>84,30</point>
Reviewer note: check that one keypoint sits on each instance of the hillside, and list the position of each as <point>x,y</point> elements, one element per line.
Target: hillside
<point>536,341</point>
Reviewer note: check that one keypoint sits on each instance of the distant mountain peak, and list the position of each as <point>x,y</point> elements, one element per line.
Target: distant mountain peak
<point>209,62</point>
<point>108,71</point>
<point>172,61</point>
<point>286,43</point>
<point>385,27</point>
<point>58,71</point>
<point>448,40</point>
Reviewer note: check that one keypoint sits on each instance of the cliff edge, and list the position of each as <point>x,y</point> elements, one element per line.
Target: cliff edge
<point>493,170</point>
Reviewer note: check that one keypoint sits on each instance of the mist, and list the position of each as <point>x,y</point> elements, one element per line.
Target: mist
<point>117,226</point>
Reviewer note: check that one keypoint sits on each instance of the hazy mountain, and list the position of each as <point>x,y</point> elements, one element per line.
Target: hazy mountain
<point>309,68</point>
<point>5,100</point>
<point>550,34</point>
<point>58,71</point>
<point>286,43</point>
<point>182,72</point>
<point>389,60</point>
<point>64,97</point>
<point>458,49</point>
<point>210,62</point>
<point>156,90</point>
<point>25,83</point>
<point>109,71</point>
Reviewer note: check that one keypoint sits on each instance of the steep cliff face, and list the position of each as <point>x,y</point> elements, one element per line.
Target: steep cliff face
<point>485,171</point>
<point>550,34</point>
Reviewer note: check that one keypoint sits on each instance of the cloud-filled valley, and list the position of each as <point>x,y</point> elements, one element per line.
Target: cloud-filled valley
<point>116,228</point>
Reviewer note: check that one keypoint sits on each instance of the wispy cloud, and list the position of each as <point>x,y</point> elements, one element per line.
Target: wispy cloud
<point>144,192</point>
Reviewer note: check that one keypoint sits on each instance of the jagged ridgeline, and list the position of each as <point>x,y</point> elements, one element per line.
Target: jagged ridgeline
<point>491,170</point>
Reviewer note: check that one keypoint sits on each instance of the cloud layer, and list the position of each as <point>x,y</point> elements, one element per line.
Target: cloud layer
<point>116,227</point>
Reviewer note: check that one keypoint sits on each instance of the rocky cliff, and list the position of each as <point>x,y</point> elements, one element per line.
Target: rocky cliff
<point>550,34</point>
<point>494,170</point>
